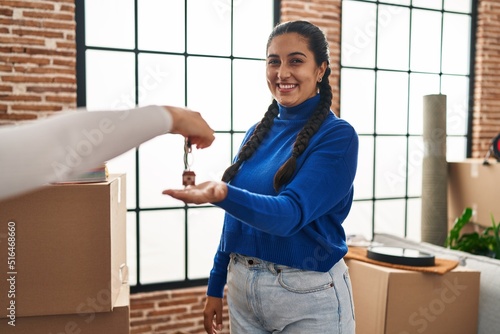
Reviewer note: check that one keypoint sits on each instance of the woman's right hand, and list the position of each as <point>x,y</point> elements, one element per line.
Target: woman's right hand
<point>212,315</point>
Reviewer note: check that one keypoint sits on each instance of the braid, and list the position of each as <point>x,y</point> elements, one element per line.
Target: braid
<point>286,171</point>
<point>255,139</point>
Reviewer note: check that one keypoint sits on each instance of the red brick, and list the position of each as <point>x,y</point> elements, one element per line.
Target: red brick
<point>21,59</point>
<point>44,70</point>
<point>68,8</point>
<point>18,117</point>
<point>62,99</point>
<point>19,97</point>
<point>43,33</point>
<point>36,107</point>
<point>20,40</point>
<point>6,12</point>
<point>45,15</point>
<point>51,89</point>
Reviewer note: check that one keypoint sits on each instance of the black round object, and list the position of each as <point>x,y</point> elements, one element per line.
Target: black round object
<point>398,255</point>
<point>496,147</point>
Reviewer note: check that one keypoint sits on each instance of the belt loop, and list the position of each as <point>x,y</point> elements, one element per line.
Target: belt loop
<point>272,268</point>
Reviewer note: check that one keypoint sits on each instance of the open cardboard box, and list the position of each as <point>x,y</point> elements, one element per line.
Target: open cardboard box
<point>70,249</point>
<point>395,301</point>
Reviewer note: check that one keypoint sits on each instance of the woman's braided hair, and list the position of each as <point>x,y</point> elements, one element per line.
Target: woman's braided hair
<point>319,46</point>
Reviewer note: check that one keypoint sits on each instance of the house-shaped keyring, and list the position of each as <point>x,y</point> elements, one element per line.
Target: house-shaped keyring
<point>188,178</point>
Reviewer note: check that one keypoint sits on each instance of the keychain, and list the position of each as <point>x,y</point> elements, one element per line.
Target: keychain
<point>188,176</point>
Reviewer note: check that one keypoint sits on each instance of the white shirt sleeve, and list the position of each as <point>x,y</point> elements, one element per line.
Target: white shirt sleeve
<point>70,143</point>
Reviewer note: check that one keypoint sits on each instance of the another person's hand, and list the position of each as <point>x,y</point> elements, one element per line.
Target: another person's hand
<point>206,192</point>
<point>212,315</point>
<point>191,125</point>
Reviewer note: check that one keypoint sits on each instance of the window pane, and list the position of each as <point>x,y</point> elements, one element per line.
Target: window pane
<point>125,164</point>
<point>363,183</point>
<point>210,163</point>
<point>420,85</point>
<point>359,220</point>
<point>237,141</point>
<point>357,98</point>
<point>110,79</point>
<point>161,25</point>
<point>250,93</point>
<point>456,89</point>
<point>161,162</point>
<point>393,25</point>
<point>390,217</point>
<point>464,6</point>
<point>162,246</point>
<point>398,2</point>
<point>415,158</point>
<point>109,23</point>
<point>161,80</point>
<point>209,27</point>
<point>204,230</point>
<point>456,44</point>
<point>211,97</point>
<point>425,41</point>
<point>247,42</point>
<point>358,34</point>
<point>131,248</point>
<point>433,4</point>
<point>456,148</point>
<point>392,102</point>
<point>390,166</point>
<point>414,219</point>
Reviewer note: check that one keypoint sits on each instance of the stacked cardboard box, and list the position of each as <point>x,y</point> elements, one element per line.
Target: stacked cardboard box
<point>473,184</point>
<point>63,260</point>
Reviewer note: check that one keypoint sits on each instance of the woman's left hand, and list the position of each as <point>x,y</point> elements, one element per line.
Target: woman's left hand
<point>206,192</point>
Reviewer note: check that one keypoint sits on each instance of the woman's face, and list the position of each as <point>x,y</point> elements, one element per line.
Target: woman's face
<point>292,73</point>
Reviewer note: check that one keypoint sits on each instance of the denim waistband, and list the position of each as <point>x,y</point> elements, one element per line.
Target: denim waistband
<point>256,263</point>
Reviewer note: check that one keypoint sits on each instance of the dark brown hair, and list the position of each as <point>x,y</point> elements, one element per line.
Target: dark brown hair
<point>319,47</point>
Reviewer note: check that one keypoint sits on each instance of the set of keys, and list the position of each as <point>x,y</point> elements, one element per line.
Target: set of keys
<point>188,176</point>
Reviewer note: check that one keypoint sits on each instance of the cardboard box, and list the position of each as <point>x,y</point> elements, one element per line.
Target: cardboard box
<point>114,322</point>
<point>475,185</point>
<point>394,301</point>
<point>70,249</point>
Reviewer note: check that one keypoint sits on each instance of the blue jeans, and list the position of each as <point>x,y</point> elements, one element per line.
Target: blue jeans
<point>265,298</point>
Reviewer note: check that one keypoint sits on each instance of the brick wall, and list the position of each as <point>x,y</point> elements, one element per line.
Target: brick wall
<point>37,58</point>
<point>486,114</point>
<point>171,312</point>
<point>37,77</point>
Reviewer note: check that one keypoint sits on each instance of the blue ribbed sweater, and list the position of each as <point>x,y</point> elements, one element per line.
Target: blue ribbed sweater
<point>301,226</point>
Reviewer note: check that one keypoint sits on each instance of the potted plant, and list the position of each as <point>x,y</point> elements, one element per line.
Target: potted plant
<point>486,243</point>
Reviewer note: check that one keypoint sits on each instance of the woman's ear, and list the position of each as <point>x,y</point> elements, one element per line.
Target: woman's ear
<point>322,69</point>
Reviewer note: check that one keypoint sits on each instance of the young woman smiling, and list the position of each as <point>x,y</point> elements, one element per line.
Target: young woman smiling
<point>286,196</point>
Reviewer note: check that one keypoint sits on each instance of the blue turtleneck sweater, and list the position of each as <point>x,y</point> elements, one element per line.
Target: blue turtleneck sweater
<point>301,225</point>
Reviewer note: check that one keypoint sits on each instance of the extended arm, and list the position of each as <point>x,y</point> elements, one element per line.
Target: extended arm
<point>68,144</point>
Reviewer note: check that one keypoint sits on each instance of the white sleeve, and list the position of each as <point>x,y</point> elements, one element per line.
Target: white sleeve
<point>68,144</point>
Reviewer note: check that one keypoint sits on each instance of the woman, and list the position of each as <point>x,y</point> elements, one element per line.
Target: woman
<point>285,198</point>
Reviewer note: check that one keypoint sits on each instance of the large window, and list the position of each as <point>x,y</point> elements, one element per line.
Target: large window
<point>393,53</point>
<point>207,55</point>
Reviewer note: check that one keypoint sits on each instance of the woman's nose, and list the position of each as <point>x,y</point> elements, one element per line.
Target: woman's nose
<point>283,72</point>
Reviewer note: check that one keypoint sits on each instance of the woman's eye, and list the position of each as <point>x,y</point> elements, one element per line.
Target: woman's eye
<point>272,61</point>
<point>296,61</point>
